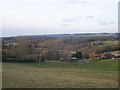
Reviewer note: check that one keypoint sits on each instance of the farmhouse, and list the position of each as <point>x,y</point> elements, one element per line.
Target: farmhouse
<point>116,56</point>
<point>106,55</point>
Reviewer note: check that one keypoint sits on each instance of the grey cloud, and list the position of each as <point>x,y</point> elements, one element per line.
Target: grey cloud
<point>76,1</point>
<point>103,23</point>
<point>107,23</point>
<point>112,22</point>
<point>90,17</point>
<point>73,19</point>
<point>86,18</point>
<point>65,24</point>
<point>69,20</point>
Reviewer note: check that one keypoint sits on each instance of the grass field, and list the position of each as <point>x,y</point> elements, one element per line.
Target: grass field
<point>116,52</point>
<point>99,74</point>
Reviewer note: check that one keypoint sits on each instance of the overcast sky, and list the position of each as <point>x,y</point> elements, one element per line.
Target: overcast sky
<point>36,17</point>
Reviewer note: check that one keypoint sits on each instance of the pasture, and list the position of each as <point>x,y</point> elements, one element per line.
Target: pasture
<point>53,74</point>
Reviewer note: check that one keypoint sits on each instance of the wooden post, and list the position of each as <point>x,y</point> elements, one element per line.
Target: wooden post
<point>39,58</point>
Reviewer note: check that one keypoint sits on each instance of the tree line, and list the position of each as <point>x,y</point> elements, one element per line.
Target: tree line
<point>55,48</point>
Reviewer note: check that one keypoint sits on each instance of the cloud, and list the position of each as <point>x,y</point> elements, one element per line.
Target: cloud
<point>86,19</point>
<point>103,23</point>
<point>107,23</point>
<point>76,1</point>
<point>63,24</point>
<point>71,19</point>
<point>90,17</point>
<point>54,15</point>
<point>112,22</point>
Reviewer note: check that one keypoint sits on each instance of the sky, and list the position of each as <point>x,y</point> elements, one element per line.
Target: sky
<point>38,17</point>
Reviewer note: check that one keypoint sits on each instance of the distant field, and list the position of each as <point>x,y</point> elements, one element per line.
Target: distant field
<point>111,42</point>
<point>99,74</point>
<point>116,52</point>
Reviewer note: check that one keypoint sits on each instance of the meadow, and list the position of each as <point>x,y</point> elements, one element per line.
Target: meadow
<point>53,74</point>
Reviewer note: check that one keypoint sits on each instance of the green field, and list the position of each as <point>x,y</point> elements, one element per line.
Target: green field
<point>99,74</point>
<point>116,52</point>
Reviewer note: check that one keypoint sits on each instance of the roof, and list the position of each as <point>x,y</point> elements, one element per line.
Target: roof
<point>74,58</point>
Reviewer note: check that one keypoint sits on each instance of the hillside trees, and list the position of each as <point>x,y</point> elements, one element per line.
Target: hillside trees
<point>67,52</point>
<point>24,48</point>
<point>54,46</point>
<point>20,50</point>
<point>88,53</point>
<point>78,54</point>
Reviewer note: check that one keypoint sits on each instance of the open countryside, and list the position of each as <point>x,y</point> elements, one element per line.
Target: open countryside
<point>60,44</point>
<point>61,61</point>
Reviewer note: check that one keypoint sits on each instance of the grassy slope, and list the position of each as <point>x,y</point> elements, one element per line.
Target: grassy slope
<point>53,74</point>
<point>111,42</point>
<point>116,52</point>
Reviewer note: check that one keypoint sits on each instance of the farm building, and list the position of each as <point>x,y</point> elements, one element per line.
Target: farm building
<point>106,55</point>
<point>116,56</point>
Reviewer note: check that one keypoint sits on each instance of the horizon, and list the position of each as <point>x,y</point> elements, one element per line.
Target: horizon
<point>41,17</point>
<point>60,34</point>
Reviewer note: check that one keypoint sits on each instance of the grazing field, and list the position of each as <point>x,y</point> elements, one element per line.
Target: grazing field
<point>99,74</point>
<point>116,52</point>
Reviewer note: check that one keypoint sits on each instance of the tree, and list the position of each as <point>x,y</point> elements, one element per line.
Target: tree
<point>78,54</point>
<point>67,52</point>
<point>85,52</point>
<point>92,56</point>
<point>24,48</point>
<point>40,57</point>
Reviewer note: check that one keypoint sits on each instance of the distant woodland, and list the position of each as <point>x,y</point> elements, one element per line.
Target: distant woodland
<point>64,47</point>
